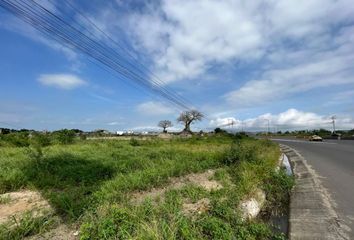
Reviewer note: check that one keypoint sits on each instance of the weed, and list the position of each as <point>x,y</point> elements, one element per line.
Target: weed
<point>278,188</point>
<point>26,225</point>
<point>5,199</point>
<point>215,228</point>
<point>238,152</point>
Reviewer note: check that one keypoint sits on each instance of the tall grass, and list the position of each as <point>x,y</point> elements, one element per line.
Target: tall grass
<point>90,183</point>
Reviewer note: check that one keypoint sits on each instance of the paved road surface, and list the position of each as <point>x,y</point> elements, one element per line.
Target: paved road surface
<point>334,161</point>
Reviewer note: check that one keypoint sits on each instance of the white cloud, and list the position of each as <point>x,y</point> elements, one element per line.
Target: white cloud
<point>185,37</point>
<point>290,119</point>
<point>299,71</point>
<point>295,46</point>
<point>63,81</point>
<point>220,122</point>
<point>154,108</point>
<point>114,123</point>
<point>176,128</point>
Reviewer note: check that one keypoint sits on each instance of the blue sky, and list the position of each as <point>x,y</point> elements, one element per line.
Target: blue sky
<point>284,61</point>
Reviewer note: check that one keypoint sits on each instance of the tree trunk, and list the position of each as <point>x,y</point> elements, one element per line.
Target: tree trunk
<point>187,127</point>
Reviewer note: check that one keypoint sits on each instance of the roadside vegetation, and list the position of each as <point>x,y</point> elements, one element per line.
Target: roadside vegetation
<point>324,133</point>
<point>92,186</point>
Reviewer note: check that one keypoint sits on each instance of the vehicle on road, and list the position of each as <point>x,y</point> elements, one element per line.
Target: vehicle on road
<point>315,138</point>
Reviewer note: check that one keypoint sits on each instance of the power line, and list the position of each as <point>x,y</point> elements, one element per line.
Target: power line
<point>58,29</point>
<point>154,76</point>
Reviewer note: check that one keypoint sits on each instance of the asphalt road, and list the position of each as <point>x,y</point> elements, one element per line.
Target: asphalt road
<point>334,161</point>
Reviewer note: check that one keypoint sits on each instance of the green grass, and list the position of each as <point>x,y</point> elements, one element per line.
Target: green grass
<point>5,199</point>
<point>89,183</point>
<point>27,225</point>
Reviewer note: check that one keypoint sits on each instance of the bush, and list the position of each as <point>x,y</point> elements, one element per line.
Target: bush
<point>219,131</point>
<point>240,135</point>
<point>41,139</point>
<point>83,136</point>
<point>16,139</point>
<point>133,142</point>
<point>65,136</point>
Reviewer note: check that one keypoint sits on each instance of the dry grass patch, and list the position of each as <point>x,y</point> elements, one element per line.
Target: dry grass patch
<point>21,202</point>
<point>199,207</point>
<point>62,232</point>
<point>203,180</point>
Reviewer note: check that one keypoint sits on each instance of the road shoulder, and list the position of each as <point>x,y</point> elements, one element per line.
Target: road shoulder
<point>312,214</point>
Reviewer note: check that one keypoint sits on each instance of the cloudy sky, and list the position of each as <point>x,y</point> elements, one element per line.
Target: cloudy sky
<point>283,61</point>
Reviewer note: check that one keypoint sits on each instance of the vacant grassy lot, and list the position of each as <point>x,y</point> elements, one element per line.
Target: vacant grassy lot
<point>93,185</point>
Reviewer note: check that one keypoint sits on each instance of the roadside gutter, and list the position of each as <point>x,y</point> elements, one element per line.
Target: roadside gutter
<point>312,214</point>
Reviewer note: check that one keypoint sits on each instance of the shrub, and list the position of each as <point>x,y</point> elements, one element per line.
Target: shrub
<point>219,131</point>
<point>133,142</point>
<point>41,139</point>
<point>16,139</point>
<point>65,136</point>
<point>83,136</point>
<point>240,135</point>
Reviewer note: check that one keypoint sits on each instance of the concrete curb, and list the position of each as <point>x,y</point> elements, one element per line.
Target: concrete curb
<point>312,214</point>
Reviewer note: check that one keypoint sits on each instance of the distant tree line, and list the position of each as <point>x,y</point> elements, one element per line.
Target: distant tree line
<point>320,132</point>
<point>25,138</point>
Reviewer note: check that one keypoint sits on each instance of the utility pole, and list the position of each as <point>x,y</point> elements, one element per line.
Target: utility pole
<point>268,127</point>
<point>230,123</point>
<point>334,123</point>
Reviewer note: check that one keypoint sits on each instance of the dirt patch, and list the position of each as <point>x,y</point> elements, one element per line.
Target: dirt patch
<point>21,202</point>
<point>203,180</point>
<point>62,232</point>
<point>165,136</point>
<point>201,206</point>
<point>199,179</point>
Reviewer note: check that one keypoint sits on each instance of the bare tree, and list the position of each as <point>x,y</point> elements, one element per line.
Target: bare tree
<point>188,117</point>
<point>165,124</point>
